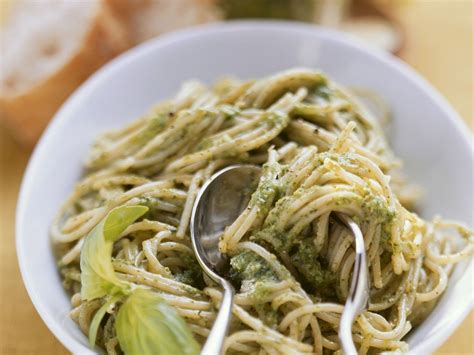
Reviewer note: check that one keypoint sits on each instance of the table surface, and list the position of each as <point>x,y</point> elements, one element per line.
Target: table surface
<point>439,47</point>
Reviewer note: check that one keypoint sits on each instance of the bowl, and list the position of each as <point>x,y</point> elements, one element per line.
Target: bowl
<point>426,132</point>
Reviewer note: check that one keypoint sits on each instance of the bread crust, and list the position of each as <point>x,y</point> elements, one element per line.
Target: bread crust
<point>126,8</point>
<point>27,113</point>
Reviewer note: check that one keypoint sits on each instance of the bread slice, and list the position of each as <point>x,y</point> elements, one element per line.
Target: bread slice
<point>125,8</point>
<point>49,47</point>
<point>149,18</point>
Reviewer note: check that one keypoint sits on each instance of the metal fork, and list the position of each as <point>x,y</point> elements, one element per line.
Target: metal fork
<point>358,297</point>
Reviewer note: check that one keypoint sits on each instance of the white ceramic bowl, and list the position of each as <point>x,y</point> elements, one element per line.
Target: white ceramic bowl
<point>427,134</point>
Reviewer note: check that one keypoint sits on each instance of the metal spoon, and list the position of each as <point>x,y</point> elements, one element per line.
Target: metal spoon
<point>219,202</point>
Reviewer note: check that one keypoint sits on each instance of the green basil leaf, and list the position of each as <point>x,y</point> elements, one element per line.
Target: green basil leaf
<point>97,273</point>
<point>94,326</point>
<point>146,324</point>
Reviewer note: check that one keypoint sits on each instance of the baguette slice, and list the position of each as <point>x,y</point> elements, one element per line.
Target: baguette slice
<point>150,18</point>
<point>49,47</point>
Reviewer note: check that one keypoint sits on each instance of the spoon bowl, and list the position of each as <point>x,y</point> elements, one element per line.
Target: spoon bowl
<point>220,201</point>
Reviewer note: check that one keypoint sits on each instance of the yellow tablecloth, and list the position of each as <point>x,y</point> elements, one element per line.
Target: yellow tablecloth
<point>439,46</point>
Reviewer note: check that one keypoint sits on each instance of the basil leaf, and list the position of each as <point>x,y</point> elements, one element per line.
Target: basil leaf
<point>146,324</point>
<point>97,273</point>
<point>94,326</point>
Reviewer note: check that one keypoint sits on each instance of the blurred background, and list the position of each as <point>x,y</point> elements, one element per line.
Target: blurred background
<point>49,47</point>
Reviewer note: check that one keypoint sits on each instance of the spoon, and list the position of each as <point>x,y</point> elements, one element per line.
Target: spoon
<point>218,204</point>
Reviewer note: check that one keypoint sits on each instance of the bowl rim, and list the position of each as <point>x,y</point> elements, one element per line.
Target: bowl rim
<point>394,63</point>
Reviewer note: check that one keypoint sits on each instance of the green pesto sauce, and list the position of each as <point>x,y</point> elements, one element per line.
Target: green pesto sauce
<point>265,192</point>
<point>210,142</point>
<point>270,233</point>
<point>192,275</point>
<point>321,95</point>
<point>323,91</point>
<point>155,125</point>
<point>271,119</point>
<point>276,119</point>
<point>313,269</point>
<point>376,207</point>
<point>273,236</point>
<point>385,235</point>
<point>248,266</point>
<point>254,276</point>
<point>268,188</point>
<point>260,290</point>
<point>314,275</point>
<point>229,112</point>
<point>268,315</point>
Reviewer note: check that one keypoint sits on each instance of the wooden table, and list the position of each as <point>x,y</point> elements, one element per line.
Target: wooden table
<point>439,46</point>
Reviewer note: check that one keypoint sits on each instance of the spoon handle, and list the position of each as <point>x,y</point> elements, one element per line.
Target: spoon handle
<point>215,340</point>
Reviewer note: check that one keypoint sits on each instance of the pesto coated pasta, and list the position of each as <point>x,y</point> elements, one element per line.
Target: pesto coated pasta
<point>122,236</point>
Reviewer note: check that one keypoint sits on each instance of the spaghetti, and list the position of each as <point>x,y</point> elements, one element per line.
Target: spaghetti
<point>291,260</point>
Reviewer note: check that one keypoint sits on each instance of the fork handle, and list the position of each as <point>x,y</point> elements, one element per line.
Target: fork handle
<point>358,297</point>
